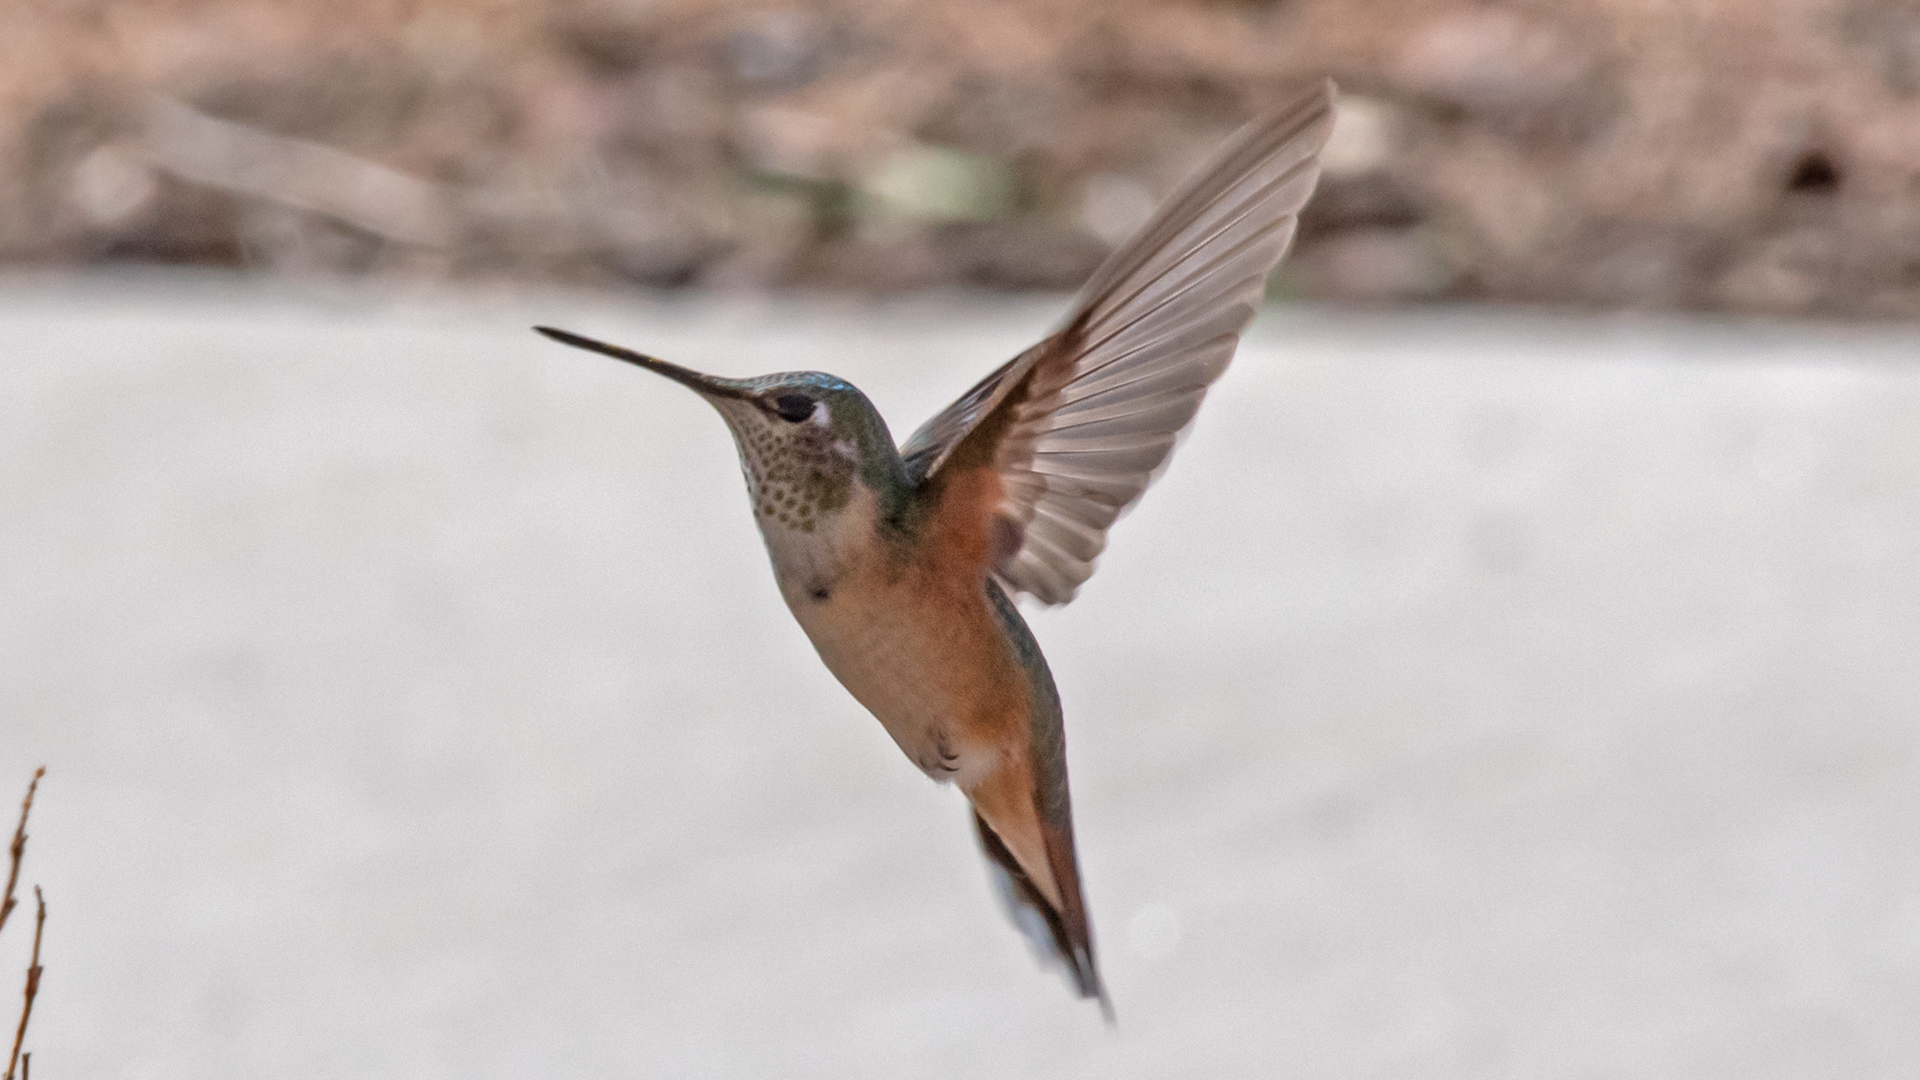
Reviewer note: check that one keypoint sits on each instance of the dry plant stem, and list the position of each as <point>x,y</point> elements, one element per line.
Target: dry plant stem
<point>18,849</point>
<point>33,983</point>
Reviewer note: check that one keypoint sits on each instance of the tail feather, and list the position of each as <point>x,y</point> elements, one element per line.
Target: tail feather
<point>1055,941</point>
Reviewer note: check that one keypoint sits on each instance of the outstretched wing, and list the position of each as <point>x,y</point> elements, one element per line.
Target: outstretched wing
<point>1077,426</point>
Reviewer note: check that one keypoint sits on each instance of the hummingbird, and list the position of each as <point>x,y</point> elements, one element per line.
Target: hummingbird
<point>901,563</point>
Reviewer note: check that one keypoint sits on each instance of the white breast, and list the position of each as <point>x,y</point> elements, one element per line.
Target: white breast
<point>809,562</point>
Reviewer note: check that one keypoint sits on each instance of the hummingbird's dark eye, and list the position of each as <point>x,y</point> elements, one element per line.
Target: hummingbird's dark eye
<point>793,407</point>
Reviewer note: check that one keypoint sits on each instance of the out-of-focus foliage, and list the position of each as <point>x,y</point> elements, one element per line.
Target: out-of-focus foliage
<point>1749,155</point>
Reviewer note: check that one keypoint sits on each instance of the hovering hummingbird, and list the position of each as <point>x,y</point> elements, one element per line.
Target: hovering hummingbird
<point>900,563</point>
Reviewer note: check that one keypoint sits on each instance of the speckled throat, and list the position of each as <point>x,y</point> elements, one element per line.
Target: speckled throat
<point>796,473</point>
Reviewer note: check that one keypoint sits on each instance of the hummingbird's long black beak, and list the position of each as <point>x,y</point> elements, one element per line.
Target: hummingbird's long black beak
<point>687,377</point>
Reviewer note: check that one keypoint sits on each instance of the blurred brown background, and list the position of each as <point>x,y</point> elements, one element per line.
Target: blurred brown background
<point>1721,155</point>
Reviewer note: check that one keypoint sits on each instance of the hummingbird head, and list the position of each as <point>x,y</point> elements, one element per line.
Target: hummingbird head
<point>805,437</point>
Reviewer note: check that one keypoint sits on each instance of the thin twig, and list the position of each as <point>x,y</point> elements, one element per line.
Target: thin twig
<point>18,848</point>
<point>33,983</point>
<point>16,851</point>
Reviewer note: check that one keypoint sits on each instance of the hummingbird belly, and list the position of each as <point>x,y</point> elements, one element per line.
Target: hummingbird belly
<point>911,636</point>
<point>937,676</point>
<point>914,636</point>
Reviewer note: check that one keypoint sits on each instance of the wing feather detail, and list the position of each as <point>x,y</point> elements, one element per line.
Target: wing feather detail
<point>1078,426</point>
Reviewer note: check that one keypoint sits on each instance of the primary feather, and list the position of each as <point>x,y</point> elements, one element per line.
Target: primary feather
<point>1077,426</point>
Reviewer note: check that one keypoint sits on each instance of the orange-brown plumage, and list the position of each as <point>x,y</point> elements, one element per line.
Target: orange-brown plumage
<point>966,540</point>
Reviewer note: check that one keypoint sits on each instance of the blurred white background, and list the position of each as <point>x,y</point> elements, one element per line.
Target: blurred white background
<point>1480,694</point>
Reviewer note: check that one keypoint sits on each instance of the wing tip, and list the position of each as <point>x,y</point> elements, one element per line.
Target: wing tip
<point>1311,115</point>
<point>1321,94</point>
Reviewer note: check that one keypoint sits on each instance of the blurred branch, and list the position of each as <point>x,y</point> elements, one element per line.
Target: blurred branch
<point>33,983</point>
<point>18,848</point>
<point>16,851</point>
<point>203,149</point>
